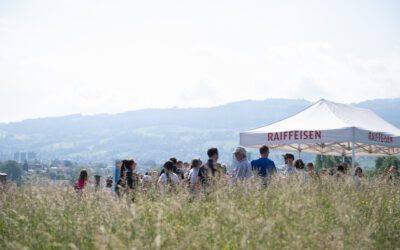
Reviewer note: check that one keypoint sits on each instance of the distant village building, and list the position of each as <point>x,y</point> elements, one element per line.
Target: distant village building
<point>24,156</point>
<point>37,166</point>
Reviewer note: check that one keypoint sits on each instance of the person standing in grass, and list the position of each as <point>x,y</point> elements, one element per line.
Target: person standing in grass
<point>82,181</point>
<point>146,182</point>
<point>174,161</point>
<point>264,167</point>
<point>168,180</point>
<point>289,169</point>
<point>193,177</point>
<point>340,172</point>
<point>128,180</point>
<point>242,165</point>
<point>358,173</point>
<point>345,168</point>
<point>311,171</point>
<point>131,177</point>
<point>207,171</point>
<point>179,170</point>
<point>299,165</point>
<point>300,169</point>
<point>109,185</point>
<point>393,173</point>
<point>186,168</point>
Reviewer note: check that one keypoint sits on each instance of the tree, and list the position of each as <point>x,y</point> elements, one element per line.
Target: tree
<point>53,176</point>
<point>12,169</point>
<point>378,163</point>
<point>382,163</point>
<point>329,161</point>
<point>25,167</point>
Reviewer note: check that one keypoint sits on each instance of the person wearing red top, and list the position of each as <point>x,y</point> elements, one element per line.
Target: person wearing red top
<point>83,178</point>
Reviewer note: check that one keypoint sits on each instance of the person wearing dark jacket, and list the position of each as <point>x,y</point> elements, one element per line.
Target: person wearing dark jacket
<point>208,170</point>
<point>128,179</point>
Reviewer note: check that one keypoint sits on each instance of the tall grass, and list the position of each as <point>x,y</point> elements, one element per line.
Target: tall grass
<point>288,215</point>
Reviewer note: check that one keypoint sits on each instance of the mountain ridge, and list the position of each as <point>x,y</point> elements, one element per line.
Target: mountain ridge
<point>157,134</point>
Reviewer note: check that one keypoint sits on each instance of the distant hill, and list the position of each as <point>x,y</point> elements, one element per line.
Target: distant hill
<point>156,134</point>
<point>388,109</point>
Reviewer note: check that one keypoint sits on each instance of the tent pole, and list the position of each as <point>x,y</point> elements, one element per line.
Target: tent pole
<point>322,157</point>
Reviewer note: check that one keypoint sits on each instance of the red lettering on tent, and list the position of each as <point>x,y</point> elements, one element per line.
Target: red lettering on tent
<point>379,137</point>
<point>309,135</point>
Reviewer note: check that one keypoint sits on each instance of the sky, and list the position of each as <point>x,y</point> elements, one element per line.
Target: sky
<point>94,56</point>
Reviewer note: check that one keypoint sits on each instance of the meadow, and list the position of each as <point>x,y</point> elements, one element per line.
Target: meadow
<point>289,214</point>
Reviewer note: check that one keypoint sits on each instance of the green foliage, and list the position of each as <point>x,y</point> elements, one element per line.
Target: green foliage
<point>53,176</point>
<point>288,215</point>
<point>25,166</point>
<point>12,169</point>
<point>383,163</point>
<point>329,161</point>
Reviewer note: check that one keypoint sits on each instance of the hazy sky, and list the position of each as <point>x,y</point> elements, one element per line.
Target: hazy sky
<point>63,57</point>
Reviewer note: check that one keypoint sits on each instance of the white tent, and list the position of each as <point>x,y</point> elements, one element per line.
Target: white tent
<point>331,129</point>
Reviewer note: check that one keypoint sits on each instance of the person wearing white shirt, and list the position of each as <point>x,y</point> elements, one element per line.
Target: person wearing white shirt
<point>146,181</point>
<point>168,179</point>
<point>193,177</point>
<point>289,169</point>
<point>301,171</point>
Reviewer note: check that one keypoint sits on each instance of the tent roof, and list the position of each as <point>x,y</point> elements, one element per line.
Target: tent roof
<point>328,128</point>
<point>327,115</point>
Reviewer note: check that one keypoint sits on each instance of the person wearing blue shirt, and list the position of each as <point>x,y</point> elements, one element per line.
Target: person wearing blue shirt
<point>264,167</point>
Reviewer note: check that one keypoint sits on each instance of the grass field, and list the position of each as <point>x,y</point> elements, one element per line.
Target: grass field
<point>288,215</point>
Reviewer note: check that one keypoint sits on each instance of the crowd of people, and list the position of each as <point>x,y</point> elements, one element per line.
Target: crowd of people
<point>199,177</point>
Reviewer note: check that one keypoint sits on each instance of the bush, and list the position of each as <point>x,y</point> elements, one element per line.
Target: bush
<point>13,170</point>
<point>383,163</point>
